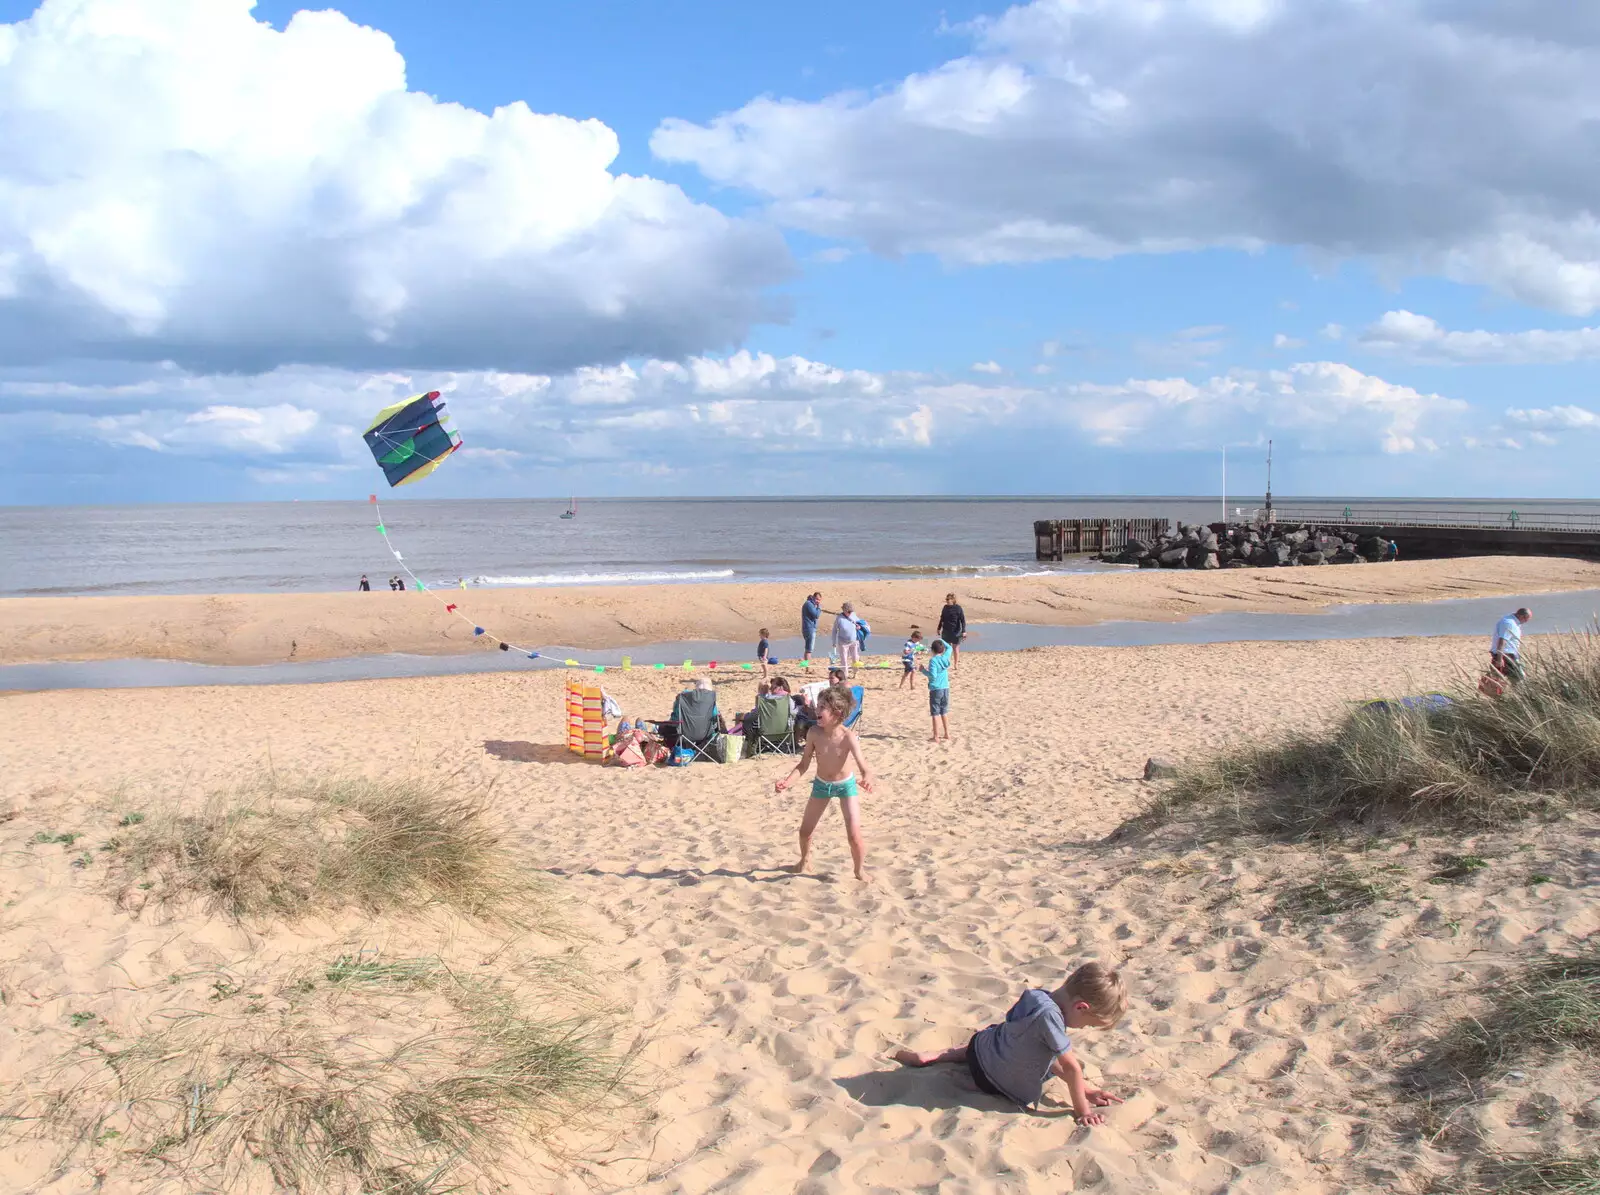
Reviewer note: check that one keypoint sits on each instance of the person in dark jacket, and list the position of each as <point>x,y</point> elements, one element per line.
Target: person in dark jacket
<point>810,613</point>
<point>952,627</point>
<point>365,586</point>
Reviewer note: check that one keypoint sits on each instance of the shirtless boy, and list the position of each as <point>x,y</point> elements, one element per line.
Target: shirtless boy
<point>838,757</point>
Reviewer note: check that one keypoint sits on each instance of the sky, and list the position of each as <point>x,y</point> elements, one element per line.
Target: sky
<point>1063,247</point>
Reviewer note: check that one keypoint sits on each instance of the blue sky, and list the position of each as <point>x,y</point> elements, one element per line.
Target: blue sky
<point>1069,246</point>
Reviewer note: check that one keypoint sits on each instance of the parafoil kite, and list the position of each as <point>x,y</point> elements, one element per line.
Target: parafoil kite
<point>409,440</point>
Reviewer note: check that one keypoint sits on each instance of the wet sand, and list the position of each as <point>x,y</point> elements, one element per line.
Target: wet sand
<point>267,628</point>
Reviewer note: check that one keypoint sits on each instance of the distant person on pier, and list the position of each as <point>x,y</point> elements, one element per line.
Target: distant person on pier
<point>365,586</point>
<point>1505,647</point>
<point>810,614</point>
<point>952,627</point>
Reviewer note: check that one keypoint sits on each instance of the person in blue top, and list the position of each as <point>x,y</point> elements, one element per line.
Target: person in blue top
<point>810,614</point>
<point>1505,646</point>
<point>1015,1058</point>
<point>937,670</point>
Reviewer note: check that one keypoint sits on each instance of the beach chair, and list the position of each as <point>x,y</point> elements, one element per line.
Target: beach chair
<point>699,724</point>
<point>858,695</point>
<point>774,726</point>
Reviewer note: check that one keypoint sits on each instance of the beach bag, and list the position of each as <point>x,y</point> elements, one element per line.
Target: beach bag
<point>732,748</point>
<point>1491,685</point>
<point>627,752</point>
<point>682,756</point>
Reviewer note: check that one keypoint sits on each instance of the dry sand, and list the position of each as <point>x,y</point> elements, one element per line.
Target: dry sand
<point>263,628</point>
<point>1259,1052</point>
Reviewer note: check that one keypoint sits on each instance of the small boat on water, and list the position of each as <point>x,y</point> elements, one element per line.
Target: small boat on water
<point>572,510</point>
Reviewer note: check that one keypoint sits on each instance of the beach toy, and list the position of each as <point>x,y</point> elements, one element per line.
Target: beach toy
<point>627,663</point>
<point>688,665</point>
<point>659,667</point>
<point>713,665</point>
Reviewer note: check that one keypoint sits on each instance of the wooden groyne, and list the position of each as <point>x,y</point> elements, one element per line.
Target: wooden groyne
<point>1056,539</point>
<point>1309,535</point>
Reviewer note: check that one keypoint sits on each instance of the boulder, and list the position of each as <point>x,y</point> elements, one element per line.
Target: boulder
<point>1149,562</point>
<point>1273,554</point>
<point>1196,555</point>
<point>1175,557</point>
<point>1236,563</point>
<point>1309,558</point>
<point>1210,561</point>
<point>1138,547</point>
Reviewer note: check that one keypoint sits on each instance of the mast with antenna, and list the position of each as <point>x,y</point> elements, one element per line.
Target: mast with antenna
<point>1270,519</point>
<point>1224,484</point>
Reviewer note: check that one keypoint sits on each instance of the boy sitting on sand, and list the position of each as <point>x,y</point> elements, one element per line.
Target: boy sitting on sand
<point>835,750</point>
<point>1014,1058</point>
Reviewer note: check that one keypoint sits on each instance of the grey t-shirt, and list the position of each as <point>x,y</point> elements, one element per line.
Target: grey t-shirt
<point>1016,1054</point>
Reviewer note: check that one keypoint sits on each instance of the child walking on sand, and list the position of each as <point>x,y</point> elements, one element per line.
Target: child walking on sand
<point>838,755</point>
<point>1015,1058</point>
<point>908,660</point>
<point>937,670</point>
<point>764,650</point>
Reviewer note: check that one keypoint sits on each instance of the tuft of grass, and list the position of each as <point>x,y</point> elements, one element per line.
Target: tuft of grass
<point>460,1069</point>
<point>1455,868</point>
<point>45,836</point>
<point>1532,1176</point>
<point>1548,1008</point>
<point>288,848</point>
<point>1340,891</point>
<point>1478,761</point>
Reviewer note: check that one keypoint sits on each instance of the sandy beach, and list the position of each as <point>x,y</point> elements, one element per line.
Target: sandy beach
<point>266,628</point>
<point>1261,1048</point>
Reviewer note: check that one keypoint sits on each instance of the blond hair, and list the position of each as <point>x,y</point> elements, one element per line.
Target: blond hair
<point>836,699</point>
<point>1101,989</point>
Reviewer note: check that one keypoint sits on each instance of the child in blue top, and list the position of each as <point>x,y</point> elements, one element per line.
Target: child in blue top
<point>908,659</point>
<point>937,670</point>
<point>1015,1058</point>
<point>764,651</point>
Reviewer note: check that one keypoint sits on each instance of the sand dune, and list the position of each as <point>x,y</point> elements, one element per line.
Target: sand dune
<point>1259,1052</point>
<point>262,628</point>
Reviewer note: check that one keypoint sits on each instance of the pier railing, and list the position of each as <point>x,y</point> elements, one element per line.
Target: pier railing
<point>1509,519</point>
<point>1056,539</point>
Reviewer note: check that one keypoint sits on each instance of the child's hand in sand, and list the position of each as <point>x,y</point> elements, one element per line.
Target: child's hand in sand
<point>1100,1099</point>
<point>783,784</point>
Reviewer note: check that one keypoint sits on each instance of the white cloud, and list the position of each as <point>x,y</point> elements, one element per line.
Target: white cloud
<point>987,367</point>
<point>1554,419</point>
<point>1333,331</point>
<point>298,423</point>
<point>1451,137</point>
<point>179,181</point>
<point>1282,341</point>
<point>1420,338</point>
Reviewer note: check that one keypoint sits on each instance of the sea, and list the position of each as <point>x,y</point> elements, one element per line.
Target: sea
<point>271,547</point>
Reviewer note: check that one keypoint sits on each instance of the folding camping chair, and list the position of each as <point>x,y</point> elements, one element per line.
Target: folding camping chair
<point>699,724</point>
<point>774,726</point>
<point>858,695</point>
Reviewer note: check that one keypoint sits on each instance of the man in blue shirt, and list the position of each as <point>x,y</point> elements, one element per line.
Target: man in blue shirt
<point>1505,647</point>
<point>810,612</point>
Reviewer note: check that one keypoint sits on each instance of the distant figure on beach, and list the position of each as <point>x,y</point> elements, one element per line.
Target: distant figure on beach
<point>394,584</point>
<point>1391,551</point>
<point>461,582</point>
<point>937,670</point>
<point>908,660</point>
<point>846,638</point>
<point>1015,1058</point>
<point>763,650</point>
<point>838,758</point>
<point>1505,646</point>
<point>365,586</point>
<point>952,626</point>
<point>810,615</point>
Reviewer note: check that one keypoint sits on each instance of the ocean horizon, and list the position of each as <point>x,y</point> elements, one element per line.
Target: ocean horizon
<point>325,546</point>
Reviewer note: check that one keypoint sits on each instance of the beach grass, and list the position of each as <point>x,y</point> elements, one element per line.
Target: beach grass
<point>1547,1008</point>
<point>286,848</point>
<point>452,1069</point>
<point>1477,762</point>
<point>1541,1175</point>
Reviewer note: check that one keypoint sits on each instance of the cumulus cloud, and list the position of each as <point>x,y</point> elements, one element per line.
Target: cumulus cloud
<point>1554,419</point>
<point>1421,338</point>
<point>739,416</point>
<point>179,181</point>
<point>987,367</point>
<point>1452,137</point>
<point>1284,341</point>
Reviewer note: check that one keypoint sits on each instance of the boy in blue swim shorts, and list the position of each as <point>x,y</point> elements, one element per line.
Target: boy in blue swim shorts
<point>838,757</point>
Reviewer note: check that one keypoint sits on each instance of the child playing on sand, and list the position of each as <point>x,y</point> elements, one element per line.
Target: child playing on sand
<point>1015,1058</point>
<point>937,670</point>
<point>835,750</point>
<point>908,660</point>
<point>763,650</point>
